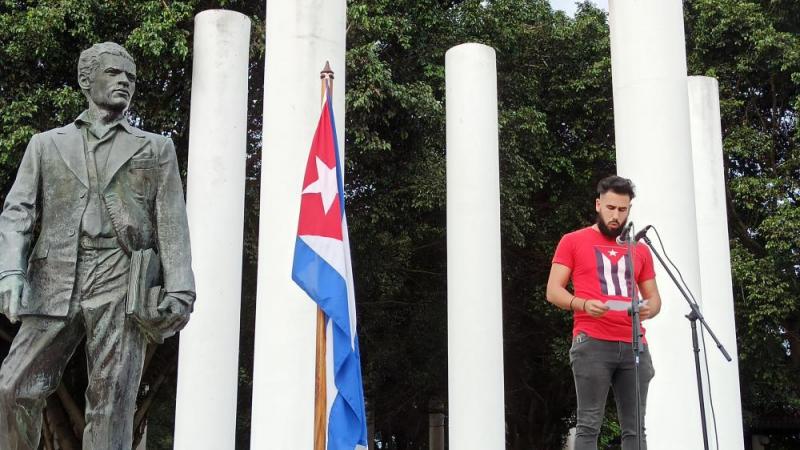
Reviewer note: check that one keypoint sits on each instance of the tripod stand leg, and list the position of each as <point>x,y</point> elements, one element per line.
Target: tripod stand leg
<point>696,348</point>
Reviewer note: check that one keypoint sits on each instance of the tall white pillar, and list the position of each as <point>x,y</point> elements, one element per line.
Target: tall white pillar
<point>474,294</point>
<point>208,364</point>
<point>715,256</point>
<point>651,122</point>
<point>301,36</point>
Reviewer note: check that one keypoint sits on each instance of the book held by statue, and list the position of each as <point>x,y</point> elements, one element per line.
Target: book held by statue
<point>145,293</point>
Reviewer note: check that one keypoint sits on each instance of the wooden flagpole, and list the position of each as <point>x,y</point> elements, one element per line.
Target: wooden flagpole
<point>320,384</point>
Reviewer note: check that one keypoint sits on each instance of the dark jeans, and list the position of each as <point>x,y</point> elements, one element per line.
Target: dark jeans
<point>596,365</point>
<point>115,355</point>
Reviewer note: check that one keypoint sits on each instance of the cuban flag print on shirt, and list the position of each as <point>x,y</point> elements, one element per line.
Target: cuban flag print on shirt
<point>613,271</point>
<point>322,269</point>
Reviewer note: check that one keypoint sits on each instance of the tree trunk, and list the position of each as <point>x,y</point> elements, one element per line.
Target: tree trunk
<point>47,434</point>
<point>62,428</point>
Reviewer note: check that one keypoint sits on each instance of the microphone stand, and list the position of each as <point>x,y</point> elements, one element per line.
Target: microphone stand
<point>636,342</point>
<point>693,317</point>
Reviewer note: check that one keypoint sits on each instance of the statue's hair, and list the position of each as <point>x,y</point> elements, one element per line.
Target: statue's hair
<point>90,58</point>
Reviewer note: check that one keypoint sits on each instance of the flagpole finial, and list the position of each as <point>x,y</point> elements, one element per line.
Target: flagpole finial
<point>326,72</point>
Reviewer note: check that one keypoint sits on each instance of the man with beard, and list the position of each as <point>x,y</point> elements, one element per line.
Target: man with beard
<point>601,355</point>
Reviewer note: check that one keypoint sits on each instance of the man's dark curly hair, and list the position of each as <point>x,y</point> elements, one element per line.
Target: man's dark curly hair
<point>617,185</point>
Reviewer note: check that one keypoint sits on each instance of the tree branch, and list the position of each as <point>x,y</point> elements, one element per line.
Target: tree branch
<point>61,426</point>
<point>47,433</point>
<point>776,126</point>
<point>144,407</point>
<point>75,414</point>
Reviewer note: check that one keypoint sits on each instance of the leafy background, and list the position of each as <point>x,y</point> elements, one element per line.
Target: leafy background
<point>556,141</point>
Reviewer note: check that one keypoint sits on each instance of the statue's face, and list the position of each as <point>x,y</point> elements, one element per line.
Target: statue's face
<point>114,83</point>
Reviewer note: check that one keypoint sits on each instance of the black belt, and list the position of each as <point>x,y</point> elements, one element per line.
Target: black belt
<point>96,243</point>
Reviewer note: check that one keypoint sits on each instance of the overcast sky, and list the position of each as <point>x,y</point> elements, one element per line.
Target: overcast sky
<point>568,6</point>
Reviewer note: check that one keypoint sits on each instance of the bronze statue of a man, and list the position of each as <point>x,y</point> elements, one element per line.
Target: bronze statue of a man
<point>102,190</point>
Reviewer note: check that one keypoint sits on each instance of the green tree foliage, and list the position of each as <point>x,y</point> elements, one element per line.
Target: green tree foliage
<point>39,46</point>
<point>753,49</point>
<point>556,141</point>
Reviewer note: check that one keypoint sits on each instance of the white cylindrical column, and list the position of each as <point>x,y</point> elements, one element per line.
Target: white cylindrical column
<point>208,364</point>
<point>474,294</point>
<point>301,36</point>
<point>715,257</point>
<point>651,122</point>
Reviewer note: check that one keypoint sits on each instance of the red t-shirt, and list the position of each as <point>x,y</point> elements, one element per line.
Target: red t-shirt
<point>599,271</point>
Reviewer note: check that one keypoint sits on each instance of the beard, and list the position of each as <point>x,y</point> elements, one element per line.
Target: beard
<point>608,232</point>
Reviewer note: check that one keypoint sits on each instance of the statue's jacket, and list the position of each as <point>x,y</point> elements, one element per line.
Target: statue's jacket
<point>141,190</point>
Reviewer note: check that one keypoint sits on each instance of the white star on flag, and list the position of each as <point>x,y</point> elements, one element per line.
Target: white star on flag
<point>612,253</point>
<point>326,185</point>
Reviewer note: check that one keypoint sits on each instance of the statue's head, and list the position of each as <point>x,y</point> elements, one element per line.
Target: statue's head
<point>107,76</point>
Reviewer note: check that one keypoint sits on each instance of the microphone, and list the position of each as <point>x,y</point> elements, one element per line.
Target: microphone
<point>641,233</point>
<point>622,239</point>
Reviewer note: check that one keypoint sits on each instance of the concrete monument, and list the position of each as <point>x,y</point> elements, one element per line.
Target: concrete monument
<point>102,192</point>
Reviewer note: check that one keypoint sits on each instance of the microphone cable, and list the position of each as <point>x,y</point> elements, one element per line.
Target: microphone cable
<point>702,337</point>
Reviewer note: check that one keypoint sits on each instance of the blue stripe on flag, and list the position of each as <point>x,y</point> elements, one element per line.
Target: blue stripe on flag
<point>347,422</point>
<point>328,288</point>
<point>322,283</point>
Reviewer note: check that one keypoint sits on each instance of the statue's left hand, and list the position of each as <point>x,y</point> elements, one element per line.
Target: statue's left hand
<point>176,315</point>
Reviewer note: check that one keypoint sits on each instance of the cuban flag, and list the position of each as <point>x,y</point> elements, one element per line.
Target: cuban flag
<point>322,269</point>
<point>612,270</point>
